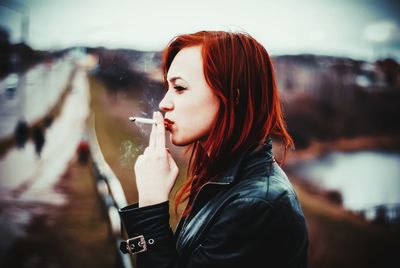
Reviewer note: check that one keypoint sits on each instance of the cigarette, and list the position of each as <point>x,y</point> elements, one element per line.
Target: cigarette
<point>142,120</point>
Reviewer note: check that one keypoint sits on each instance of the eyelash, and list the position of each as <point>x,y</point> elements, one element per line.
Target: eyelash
<point>179,88</point>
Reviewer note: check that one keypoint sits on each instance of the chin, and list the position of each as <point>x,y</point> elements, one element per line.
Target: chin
<point>179,141</point>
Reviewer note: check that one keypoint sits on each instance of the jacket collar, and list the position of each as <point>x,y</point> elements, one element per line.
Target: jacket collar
<point>264,150</point>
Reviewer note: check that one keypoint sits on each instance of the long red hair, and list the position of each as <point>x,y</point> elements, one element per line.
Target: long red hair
<point>240,72</point>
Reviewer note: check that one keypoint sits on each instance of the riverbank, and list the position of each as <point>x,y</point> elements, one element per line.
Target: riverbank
<point>318,148</point>
<point>340,238</point>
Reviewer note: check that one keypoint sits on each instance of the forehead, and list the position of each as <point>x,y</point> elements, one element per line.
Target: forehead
<point>187,64</point>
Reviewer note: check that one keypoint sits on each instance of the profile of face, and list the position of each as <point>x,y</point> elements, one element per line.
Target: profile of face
<point>190,105</point>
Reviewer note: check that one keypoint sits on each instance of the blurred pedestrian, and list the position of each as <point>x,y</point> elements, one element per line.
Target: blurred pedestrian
<point>21,133</point>
<point>38,139</point>
<point>83,151</point>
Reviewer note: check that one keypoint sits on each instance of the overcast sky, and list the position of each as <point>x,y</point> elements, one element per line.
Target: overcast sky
<point>362,29</point>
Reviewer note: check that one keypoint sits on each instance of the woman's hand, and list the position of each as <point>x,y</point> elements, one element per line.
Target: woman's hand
<point>155,170</point>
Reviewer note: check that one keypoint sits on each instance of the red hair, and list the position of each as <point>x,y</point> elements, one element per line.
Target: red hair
<point>240,72</point>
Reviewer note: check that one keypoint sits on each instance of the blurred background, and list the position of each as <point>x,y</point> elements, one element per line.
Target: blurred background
<point>72,72</point>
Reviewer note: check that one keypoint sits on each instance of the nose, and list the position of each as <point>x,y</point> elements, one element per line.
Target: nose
<point>166,104</point>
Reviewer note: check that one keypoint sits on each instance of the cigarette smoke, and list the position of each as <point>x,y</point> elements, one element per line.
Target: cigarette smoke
<point>128,153</point>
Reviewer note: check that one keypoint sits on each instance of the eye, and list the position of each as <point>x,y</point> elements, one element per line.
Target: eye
<point>179,88</point>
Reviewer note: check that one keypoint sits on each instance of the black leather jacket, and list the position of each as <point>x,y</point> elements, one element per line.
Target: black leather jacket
<point>250,217</point>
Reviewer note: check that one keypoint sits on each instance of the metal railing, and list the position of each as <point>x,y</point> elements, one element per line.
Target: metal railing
<point>110,192</point>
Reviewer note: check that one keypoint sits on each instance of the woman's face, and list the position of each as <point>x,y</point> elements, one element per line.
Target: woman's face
<point>190,105</point>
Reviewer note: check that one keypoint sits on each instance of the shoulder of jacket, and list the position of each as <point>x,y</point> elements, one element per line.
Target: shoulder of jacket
<point>271,188</point>
<point>251,204</point>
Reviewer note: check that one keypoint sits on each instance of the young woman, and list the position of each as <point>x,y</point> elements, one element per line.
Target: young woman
<point>242,211</point>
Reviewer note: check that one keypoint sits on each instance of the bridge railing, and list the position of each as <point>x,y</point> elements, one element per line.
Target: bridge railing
<point>110,192</point>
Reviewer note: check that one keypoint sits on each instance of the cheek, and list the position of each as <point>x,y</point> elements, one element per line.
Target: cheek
<point>196,114</point>
<point>204,115</point>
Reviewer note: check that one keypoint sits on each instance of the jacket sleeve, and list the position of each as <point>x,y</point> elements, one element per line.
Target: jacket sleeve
<point>153,223</point>
<point>229,240</point>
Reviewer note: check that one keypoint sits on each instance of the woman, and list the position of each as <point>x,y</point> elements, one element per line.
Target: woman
<point>222,99</point>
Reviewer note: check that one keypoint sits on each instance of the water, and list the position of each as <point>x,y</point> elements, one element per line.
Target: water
<point>366,179</point>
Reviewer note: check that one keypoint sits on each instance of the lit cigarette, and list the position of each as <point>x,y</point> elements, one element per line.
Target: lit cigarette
<point>142,120</point>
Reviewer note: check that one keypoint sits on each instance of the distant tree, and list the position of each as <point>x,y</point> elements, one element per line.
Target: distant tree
<point>391,70</point>
<point>117,70</point>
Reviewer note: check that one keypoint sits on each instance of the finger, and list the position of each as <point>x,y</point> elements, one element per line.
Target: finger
<point>160,139</point>
<point>138,160</point>
<point>152,140</point>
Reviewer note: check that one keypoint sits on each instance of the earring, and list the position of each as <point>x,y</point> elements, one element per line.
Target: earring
<point>237,96</point>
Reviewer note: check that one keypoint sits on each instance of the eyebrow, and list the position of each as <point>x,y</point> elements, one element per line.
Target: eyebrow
<point>173,79</point>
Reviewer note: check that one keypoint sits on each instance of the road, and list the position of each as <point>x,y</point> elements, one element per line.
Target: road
<point>30,95</point>
<point>27,184</point>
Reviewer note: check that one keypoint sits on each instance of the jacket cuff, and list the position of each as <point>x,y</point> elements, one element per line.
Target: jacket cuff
<point>148,221</point>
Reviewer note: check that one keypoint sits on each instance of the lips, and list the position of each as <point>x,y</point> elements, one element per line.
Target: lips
<point>168,124</point>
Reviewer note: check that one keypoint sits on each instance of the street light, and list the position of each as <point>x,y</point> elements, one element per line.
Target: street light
<point>22,129</point>
<point>24,11</point>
